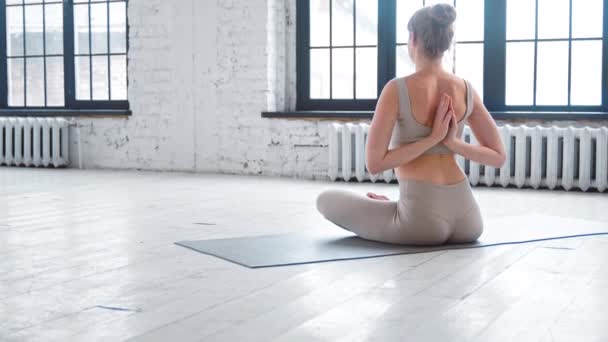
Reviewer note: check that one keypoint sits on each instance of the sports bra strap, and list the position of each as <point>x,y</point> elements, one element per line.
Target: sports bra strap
<point>469,99</point>
<point>404,98</point>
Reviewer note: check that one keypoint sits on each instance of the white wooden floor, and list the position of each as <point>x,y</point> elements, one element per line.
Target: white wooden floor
<point>89,256</point>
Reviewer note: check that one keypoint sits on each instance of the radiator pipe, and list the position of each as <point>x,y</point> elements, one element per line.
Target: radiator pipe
<point>73,123</point>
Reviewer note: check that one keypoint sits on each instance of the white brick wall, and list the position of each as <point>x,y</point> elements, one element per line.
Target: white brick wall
<point>200,74</point>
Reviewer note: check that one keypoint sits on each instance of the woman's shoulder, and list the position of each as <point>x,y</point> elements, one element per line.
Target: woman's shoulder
<point>444,77</point>
<point>455,80</point>
<point>414,80</point>
<point>420,81</point>
<point>413,77</point>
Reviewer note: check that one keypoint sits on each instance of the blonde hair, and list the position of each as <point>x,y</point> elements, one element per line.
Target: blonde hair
<point>433,27</point>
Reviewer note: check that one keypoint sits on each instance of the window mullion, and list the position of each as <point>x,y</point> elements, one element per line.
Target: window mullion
<point>535,52</point>
<point>354,50</point>
<point>44,54</point>
<point>605,58</point>
<point>68,54</point>
<point>387,40</point>
<point>109,59</point>
<point>331,50</point>
<point>303,53</point>
<point>494,54</point>
<point>24,57</point>
<point>3,59</point>
<point>90,54</point>
<point>570,55</point>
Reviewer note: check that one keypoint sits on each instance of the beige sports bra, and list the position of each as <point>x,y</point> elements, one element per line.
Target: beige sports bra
<point>407,130</point>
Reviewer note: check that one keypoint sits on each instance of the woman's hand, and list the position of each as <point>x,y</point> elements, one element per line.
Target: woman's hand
<point>377,197</point>
<point>443,115</point>
<point>451,138</point>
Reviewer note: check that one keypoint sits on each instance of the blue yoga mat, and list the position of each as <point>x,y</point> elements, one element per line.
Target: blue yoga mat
<point>332,243</point>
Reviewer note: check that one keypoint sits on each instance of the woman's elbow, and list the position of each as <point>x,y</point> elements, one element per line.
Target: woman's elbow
<point>373,165</point>
<point>500,160</point>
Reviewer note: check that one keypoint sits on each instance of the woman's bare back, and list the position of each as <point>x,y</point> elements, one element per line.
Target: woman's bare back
<point>425,91</point>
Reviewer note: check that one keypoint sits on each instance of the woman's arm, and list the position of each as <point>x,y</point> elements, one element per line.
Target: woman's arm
<point>490,150</point>
<point>378,157</point>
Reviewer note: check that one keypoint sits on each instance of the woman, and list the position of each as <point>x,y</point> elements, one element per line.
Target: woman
<point>422,117</point>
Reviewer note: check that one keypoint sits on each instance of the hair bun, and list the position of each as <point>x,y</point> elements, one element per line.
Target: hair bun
<point>443,14</point>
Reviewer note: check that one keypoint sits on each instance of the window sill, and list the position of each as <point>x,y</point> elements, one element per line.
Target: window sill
<point>320,114</point>
<point>552,116</point>
<point>65,112</point>
<point>367,115</point>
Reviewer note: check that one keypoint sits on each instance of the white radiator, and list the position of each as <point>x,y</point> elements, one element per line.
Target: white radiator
<point>547,157</point>
<point>33,141</point>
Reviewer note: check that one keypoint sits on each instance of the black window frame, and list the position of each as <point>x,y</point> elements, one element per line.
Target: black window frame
<point>494,73</point>
<point>386,59</point>
<point>71,104</point>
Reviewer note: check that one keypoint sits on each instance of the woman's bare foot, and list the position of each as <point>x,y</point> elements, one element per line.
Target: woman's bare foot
<point>377,197</point>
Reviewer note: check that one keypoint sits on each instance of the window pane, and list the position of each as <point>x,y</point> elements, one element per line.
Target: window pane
<point>81,29</point>
<point>15,82</point>
<point>99,28</point>
<point>35,81</point>
<point>552,73</point>
<point>342,22</point>
<point>405,66</point>
<point>54,81</point>
<point>469,20</point>
<point>367,66</point>
<point>405,10</point>
<point>586,86</point>
<point>519,74</point>
<point>118,68</point>
<point>367,22</point>
<point>469,64</point>
<point>342,73</point>
<point>587,18</point>
<point>521,19</point>
<point>553,18</point>
<point>83,85</point>
<point>54,29</point>
<point>118,27</point>
<point>100,78</point>
<point>33,30</point>
<point>319,22</point>
<point>14,32</point>
<point>319,74</point>
<point>13,2</point>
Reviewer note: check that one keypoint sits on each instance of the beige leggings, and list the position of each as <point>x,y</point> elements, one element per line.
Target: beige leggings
<point>425,214</point>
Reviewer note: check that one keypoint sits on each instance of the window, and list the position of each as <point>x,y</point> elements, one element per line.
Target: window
<point>69,54</point>
<point>342,48</point>
<point>100,50</point>
<point>520,55</point>
<point>554,54</point>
